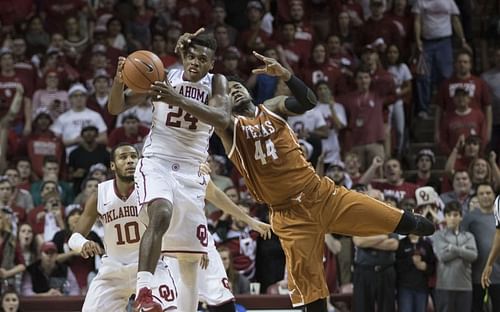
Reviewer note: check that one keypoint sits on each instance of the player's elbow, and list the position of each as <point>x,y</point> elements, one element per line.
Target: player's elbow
<point>223,116</point>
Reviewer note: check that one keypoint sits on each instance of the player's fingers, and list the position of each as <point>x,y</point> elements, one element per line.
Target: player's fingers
<point>199,31</point>
<point>260,57</point>
<point>259,71</point>
<point>84,253</point>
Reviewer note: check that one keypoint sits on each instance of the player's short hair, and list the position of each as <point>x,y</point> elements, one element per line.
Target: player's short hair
<point>205,40</point>
<point>452,207</point>
<point>113,150</point>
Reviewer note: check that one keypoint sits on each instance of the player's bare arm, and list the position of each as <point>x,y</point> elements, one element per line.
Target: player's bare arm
<point>120,99</point>
<point>488,268</point>
<point>216,113</point>
<point>218,198</point>
<point>77,241</point>
<point>303,99</point>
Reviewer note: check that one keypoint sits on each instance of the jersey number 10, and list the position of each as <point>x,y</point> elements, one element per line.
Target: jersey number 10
<point>270,151</point>
<point>131,230</point>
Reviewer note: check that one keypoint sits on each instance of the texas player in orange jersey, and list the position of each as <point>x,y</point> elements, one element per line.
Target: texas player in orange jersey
<point>303,206</point>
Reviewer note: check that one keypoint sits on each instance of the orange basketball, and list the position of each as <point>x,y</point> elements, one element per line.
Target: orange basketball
<point>141,69</point>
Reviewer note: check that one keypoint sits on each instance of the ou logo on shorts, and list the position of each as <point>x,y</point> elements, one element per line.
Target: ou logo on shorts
<point>202,235</point>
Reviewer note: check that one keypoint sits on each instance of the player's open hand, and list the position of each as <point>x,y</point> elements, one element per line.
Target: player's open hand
<point>262,228</point>
<point>272,67</point>
<point>91,249</point>
<point>185,39</point>
<point>204,261</point>
<point>485,277</point>
<point>163,91</point>
<point>119,69</point>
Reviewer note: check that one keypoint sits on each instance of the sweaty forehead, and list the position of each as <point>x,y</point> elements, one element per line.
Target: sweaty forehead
<point>199,51</point>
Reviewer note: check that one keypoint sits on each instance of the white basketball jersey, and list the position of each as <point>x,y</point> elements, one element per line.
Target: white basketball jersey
<point>176,134</point>
<point>122,228</point>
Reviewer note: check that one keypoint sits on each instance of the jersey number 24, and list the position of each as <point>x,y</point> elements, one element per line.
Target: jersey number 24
<point>178,118</point>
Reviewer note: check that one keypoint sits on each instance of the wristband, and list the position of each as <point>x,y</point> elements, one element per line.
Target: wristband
<point>76,242</point>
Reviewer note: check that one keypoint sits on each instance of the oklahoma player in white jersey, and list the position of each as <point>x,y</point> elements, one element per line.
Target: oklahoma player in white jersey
<point>495,248</point>
<point>117,207</point>
<point>170,189</point>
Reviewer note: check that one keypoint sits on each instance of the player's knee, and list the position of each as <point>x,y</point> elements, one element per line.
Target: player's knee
<point>160,214</point>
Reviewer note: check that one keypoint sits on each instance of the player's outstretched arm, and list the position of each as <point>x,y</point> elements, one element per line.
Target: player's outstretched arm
<point>120,99</point>
<point>218,111</point>
<point>77,241</point>
<point>488,268</point>
<point>219,199</point>
<point>303,98</point>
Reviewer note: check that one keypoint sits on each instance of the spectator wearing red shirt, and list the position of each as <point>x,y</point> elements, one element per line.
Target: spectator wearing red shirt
<point>48,218</point>
<point>424,177</point>
<point>99,100</point>
<point>24,168</point>
<point>11,255</point>
<point>253,38</point>
<point>401,17</point>
<point>159,47</point>
<point>131,132</point>
<point>338,56</point>
<point>56,12</point>
<point>394,184</point>
<point>20,198</point>
<point>221,35</point>
<point>342,27</point>
<point>219,15</point>
<point>319,69</point>
<point>377,26</point>
<point>464,120</point>
<point>6,201</point>
<point>9,78</point>
<point>193,14</point>
<point>42,142</point>
<point>365,119</point>
<point>296,51</point>
<point>477,89</point>
<point>303,29</point>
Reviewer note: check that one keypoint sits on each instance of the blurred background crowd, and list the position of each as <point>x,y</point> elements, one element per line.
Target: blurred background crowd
<point>408,112</point>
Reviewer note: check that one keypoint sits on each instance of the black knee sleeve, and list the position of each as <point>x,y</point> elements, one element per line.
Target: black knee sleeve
<point>316,306</point>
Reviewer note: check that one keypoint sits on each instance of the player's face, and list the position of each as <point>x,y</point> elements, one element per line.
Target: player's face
<point>10,302</point>
<point>239,94</point>
<point>198,62</point>
<point>124,163</point>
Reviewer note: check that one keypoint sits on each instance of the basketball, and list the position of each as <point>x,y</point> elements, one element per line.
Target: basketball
<point>141,69</point>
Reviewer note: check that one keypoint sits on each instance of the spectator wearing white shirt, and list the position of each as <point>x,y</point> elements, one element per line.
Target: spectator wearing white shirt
<point>336,119</point>
<point>312,127</point>
<point>70,124</point>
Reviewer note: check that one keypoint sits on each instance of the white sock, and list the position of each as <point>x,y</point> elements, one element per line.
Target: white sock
<point>144,279</point>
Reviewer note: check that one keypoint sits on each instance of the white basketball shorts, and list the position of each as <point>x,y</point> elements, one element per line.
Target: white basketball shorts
<point>180,184</point>
<point>111,289</point>
<point>213,285</point>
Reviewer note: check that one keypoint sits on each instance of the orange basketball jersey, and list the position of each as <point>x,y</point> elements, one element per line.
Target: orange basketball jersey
<point>267,154</point>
